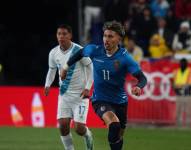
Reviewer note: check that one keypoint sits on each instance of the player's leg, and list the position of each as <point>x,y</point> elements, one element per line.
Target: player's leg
<point>64,116</point>
<point>121,112</point>
<point>80,111</point>
<point>107,113</point>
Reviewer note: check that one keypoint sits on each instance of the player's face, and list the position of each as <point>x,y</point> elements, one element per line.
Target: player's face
<point>63,36</point>
<point>111,40</point>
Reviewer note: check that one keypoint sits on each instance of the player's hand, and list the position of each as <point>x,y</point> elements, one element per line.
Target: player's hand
<point>136,91</point>
<point>85,93</point>
<point>46,91</point>
<point>63,73</point>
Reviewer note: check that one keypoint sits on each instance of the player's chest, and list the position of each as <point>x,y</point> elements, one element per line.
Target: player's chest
<point>61,59</point>
<point>105,64</point>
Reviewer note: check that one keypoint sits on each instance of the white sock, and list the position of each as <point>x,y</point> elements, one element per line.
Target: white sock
<point>88,132</point>
<point>67,142</point>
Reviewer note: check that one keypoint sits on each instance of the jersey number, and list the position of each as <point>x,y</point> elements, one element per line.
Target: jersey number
<point>82,110</point>
<point>106,74</point>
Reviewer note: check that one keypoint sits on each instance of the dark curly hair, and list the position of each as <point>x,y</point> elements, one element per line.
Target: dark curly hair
<point>114,26</point>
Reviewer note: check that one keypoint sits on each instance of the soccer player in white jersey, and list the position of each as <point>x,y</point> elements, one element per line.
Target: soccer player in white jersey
<point>73,100</point>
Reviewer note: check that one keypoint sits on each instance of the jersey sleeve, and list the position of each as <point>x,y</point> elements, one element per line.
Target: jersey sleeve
<point>88,50</point>
<point>51,61</point>
<point>131,65</point>
<point>85,61</point>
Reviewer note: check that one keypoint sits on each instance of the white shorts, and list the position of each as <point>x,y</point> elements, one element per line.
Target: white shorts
<point>72,107</point>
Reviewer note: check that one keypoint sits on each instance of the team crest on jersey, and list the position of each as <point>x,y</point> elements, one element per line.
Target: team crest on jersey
<point>116,64</point>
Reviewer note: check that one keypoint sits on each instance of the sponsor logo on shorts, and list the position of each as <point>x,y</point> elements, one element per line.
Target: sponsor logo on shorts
<point>102,108</point>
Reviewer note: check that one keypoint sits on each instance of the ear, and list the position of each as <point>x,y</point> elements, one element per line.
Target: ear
<point>120,38</point>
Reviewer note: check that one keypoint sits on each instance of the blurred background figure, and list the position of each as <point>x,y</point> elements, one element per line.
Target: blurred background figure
<point>182,87</point>
<point>182,39</point>
<point>93,17</point>
<point>159,8</point>
<point>144,25</point>
<point>164,32</point>
<point>172,22</point>
<point>136,7</point>
<point>130,31</point>
<point>158,47</point>
<point>134,50</point>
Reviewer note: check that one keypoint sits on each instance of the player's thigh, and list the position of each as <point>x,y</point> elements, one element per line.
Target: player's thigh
<point>109,117</point>
<point>64,109</point>
<point>80,111</point>
<point>121,112</point>
<point>106,112</point>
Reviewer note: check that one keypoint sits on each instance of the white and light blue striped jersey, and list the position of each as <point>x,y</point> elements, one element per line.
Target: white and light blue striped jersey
<point>75,80</point>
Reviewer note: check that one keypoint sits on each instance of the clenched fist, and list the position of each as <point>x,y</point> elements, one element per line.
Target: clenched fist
<point>136,91</point>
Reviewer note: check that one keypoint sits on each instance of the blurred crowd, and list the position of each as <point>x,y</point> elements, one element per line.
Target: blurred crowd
<point>154,28</point>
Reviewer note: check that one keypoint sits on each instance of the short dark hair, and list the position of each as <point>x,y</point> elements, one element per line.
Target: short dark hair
<point>114,26</point>
<point>65,26</point>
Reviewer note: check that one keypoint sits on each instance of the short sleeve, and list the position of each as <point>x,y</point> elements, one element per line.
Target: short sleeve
<point>131,65</point>
<point>88,50</point>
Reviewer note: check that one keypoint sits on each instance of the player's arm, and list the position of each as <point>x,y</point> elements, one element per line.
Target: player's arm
<point>49,79</point>
<point>88,76</point>
<point>134,69</point>
<point>87,51</point>
<point>50,75</point>
<point>76,57</point>
<point>142,81</point>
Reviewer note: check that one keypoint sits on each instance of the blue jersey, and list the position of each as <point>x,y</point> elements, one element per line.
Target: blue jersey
<point>110,73</point>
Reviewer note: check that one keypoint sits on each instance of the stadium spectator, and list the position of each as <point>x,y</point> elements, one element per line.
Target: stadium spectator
<point>164,32</point>
<point>129,32</point>
<point>182,39</point>
<point>72,99</point>
<point>111,64</point>
<point>136,7</point>
<point>158,47</point>
<point>172,21</point>
<point>134,50</point>
<point>159,8</point>
<point>92,17</point>
<point>182,87</point>
<point>144,25</point>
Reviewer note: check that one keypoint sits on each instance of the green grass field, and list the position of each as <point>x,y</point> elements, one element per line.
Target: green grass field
<point>135,139</point>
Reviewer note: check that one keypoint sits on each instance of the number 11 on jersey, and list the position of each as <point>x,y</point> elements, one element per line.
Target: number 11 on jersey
<point>105,74</point>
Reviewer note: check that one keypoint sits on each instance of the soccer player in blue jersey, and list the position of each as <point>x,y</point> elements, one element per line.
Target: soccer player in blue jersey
<point>111,64</point>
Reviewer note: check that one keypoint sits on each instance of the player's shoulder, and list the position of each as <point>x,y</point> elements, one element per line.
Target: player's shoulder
<point>95,49</point>
<point>126,55</point>
<point>54,50</point>
<point>77,45</point>
<point>124,52</point>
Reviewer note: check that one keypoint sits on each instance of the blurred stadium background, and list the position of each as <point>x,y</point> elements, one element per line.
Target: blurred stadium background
<point>158,35</point>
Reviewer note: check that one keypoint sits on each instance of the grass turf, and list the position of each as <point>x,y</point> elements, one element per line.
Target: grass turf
<point>135,139</point>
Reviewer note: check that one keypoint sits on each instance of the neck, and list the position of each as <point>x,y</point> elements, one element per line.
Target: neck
<point>66,46</point>
<point>112,51</point>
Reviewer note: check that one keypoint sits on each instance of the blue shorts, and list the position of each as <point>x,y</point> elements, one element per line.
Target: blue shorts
<point>120,110</point>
